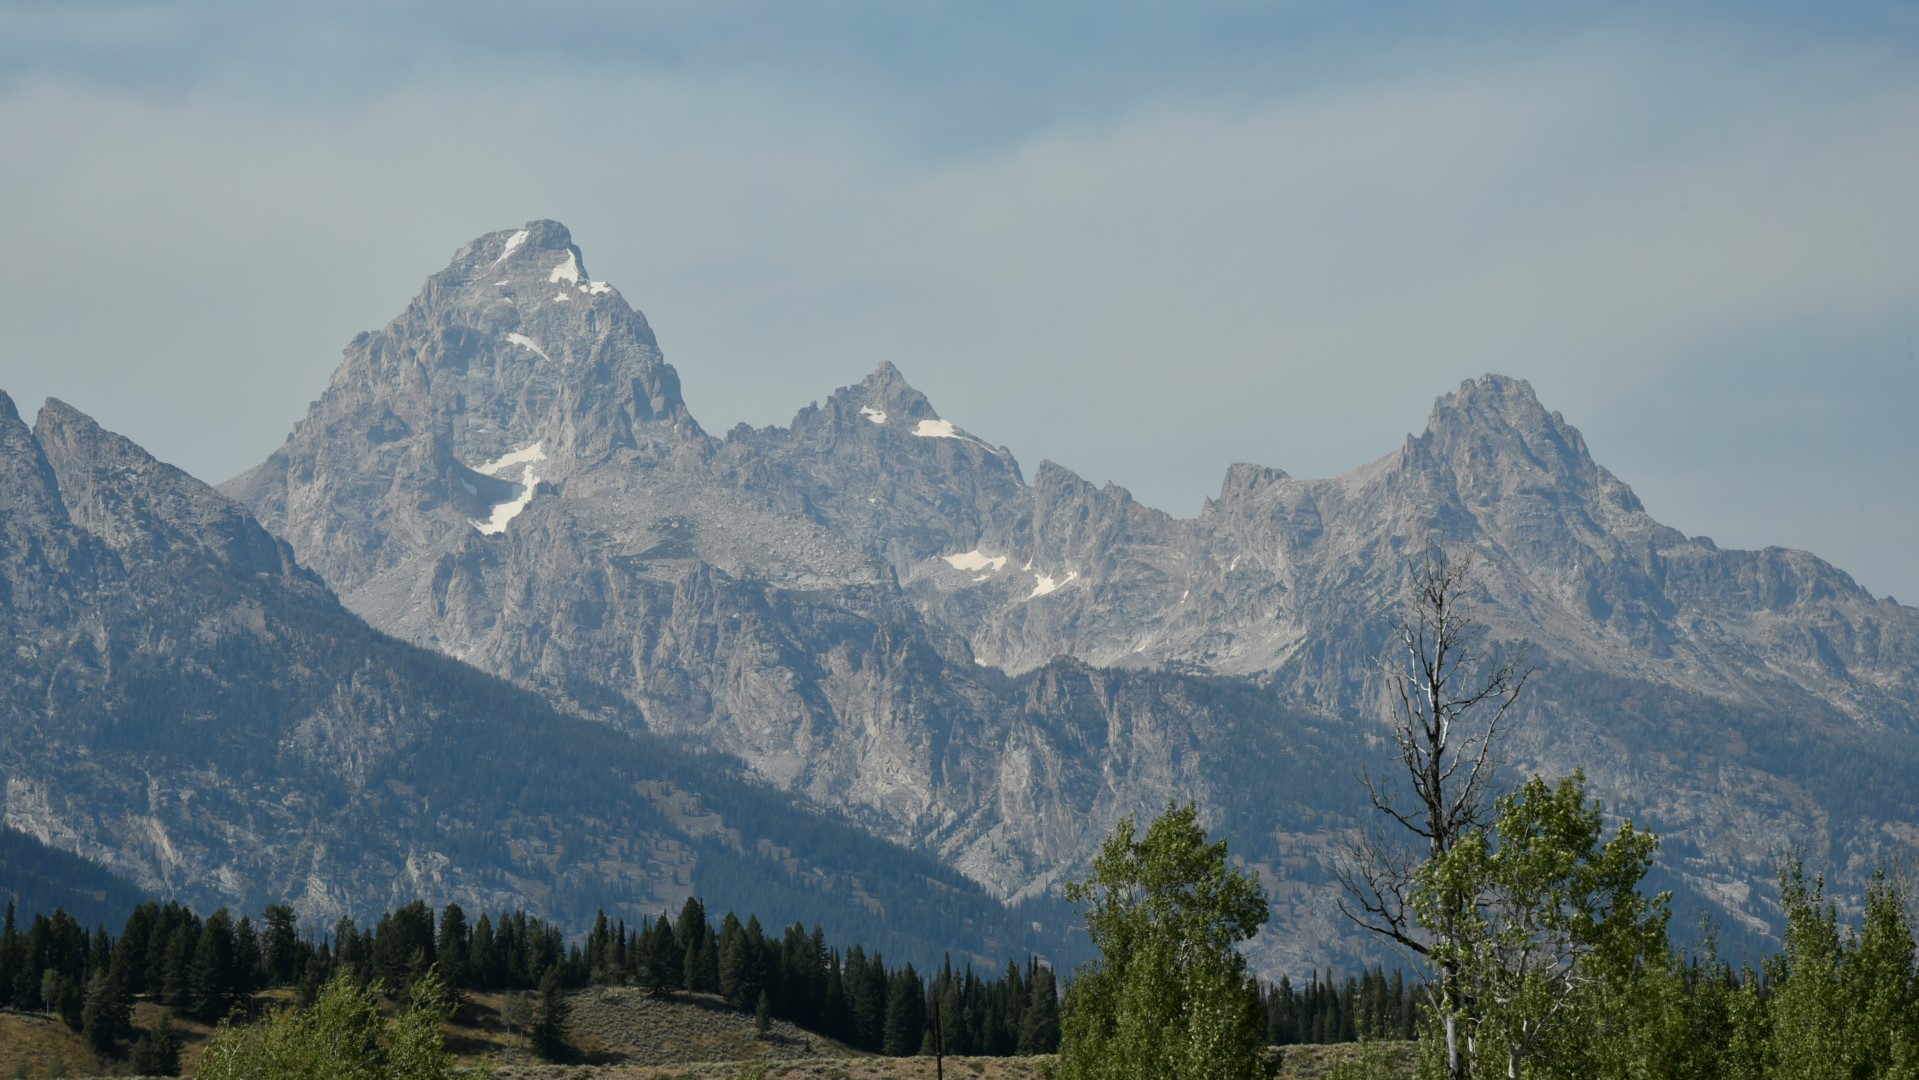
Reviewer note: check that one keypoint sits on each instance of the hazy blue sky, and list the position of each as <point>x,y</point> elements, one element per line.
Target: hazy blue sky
<point>1144,241</point>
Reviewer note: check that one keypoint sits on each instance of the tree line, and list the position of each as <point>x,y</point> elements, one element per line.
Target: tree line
<point>210,968</point>
<point>205,967</point>
<point>1369,1006</point>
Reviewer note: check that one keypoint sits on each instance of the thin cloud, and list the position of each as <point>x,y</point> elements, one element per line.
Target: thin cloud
<point>1287,275</point>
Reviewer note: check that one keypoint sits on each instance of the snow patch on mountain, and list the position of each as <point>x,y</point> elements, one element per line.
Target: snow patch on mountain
<point>878,416</point>
<point>512,245</point>
<point>568,271</point>
<point>528,343</point>
<point>507,511</point>
<point>1046,583</point>
<point>525,459</point>
<point>975,560</point>
<point>526,455</point>
<point>937,429</point>
<point>595,288</point>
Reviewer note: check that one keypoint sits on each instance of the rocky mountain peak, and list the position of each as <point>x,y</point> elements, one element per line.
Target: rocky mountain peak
<point>510,368</point>
<point>28,492</point>
<point>883,398</point>
<point>144,508</point>
<point>1494,438</point>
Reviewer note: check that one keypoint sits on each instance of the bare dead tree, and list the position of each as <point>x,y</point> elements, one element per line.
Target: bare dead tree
<point>1449,698</point>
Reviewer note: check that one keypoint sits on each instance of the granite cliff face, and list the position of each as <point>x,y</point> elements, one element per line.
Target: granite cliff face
<point>874,608</point>
<point>188,706</point>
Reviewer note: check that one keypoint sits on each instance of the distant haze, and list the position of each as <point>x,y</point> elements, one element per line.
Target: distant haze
<point>1145,243</point>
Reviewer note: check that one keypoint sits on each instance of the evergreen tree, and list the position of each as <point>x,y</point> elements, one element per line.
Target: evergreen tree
<point>665,964</point>
<point>107,1015</point>
<point>157,1053</point>
<point>550,1014</point>
<point>64,997</point>
<point>209,977</point>
<point>403,944</point>
<point>248,963</point>
<point>483,962</point>
<point>176,965</point>
<point>451,950</point>
<point>867,993</point>
<point>693,932</point>
<point>1039,1027</point>
<point>10,945</point>
<point>905,1014</point>
<point>836,1013</point>
<point>280,945</point>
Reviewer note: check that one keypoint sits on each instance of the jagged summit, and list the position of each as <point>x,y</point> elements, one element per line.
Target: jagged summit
<point>881,399</point>
<point>525,261</point>
<point>510,366</point>
<point>1494,438</point>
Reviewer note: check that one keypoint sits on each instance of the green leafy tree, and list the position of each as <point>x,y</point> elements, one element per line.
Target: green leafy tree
<point>343,1035</point>
<point>1554,918</point>
<point>1883,1034</point>
<point>1844,1002</point>
<point>1808,1006</point>
<point>1169,994</point>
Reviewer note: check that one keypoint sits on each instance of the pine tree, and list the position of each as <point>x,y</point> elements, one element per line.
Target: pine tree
<point>209,976</point>
<point>836,1014</point>
<point>550,1014</point>
<point>107,1014</point>
<point>246,975</point>
<point>64,996</point>
<point>453,947</point>
<point>1039,1027</point>
<point>867,992</point>
<point>176,963</point>
<point>905,1014</point>
<point>693,933</point>
<point>483,962</point>
<point>158,1051</point>
<point>665,964</point>
<point>9,959</point>
<point>601,956</point>
<point>280,946</point>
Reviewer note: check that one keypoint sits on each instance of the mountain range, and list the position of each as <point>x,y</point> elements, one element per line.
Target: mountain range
<point>873,615</point>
